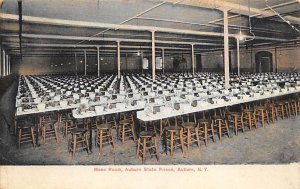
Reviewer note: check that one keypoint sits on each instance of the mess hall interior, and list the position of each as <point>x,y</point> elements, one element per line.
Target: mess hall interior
<point>128,82</point>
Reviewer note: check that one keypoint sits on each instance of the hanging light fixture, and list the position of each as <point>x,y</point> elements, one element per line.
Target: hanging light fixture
<point>241,35</point>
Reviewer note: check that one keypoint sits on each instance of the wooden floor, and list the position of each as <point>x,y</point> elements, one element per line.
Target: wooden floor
<point>275,144</point>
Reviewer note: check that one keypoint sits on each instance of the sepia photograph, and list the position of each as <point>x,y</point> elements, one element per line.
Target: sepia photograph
<point>183,93</point>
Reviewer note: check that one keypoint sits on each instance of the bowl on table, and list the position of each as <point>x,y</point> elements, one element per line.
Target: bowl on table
<point>41,106</point>
<point>99,109</point>
<point>63,103</point>
<point>37,100</point>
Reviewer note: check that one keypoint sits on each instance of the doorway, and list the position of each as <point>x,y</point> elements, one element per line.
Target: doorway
<point>263,62</point>
<point>198,63</point>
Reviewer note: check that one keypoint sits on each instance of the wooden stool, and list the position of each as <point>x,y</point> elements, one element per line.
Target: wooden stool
<point>221,123</point>
<point>261,114</point>
<point>67,127</point>
<point>105,136</point>
<point>174,137</point>
<point>79,137</point>
<point>25,133</point>
<point>237,120</point>
<point>126,128</point>
<point>49,130</point>
<point>249,118</point>
<point>205,123</point>
<point>147,142</point>
<point>283,110</point>
<point>190,134</point>
<point>273,112</point>
<point>293,107</point>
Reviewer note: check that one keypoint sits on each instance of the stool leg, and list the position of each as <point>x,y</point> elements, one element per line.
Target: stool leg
<point>74,145</point>
<point>242,124</point>
<point>111,138</point>
<point>100,140</point>
<point>249,120</point>
<point>20,136</point>
<point>144,150</point>
<point>87,143</point>
<point>235,125</point>
<point>181,140</point>
<point>288,110</point>
<point>156,148</point>
<point>56,135</point>
<point>160,127</point>
<point>212,131</point>
<point>44,134</point>
<point>273,114</point>
<point>123,134</point>
<point>267,116</point>
<point>138,148</point>
<point>282,111</point>
<point>197,137</point>
<point>205,133</point>
<point>32,136</point>
<point>227,128</point>
<point>220,130</point>
<point>262,118</point>
<point>171,141</point>
<point>66,130</point>
<point>188,140</point>
<point>133,133</point>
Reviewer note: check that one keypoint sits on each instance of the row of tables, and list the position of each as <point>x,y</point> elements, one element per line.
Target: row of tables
<point>153,100</point>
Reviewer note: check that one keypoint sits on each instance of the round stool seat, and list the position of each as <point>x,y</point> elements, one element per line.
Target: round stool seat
<point>260,107</point>
<point>203,120</point>
<point>78,130</point>
<point>147,134</point>
<point>25,125</point>
<point>188,125</point>
<point>218,117</point>
<point>104,126</point>
<point>235,113</point>
<point>173,128</point>
<point>124,122</point>
<point>50,121</point>
<point>279,103</point>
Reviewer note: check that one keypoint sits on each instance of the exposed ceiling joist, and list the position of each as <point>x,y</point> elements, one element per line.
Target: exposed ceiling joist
<point>64,37</point>
<point>234,8</point>
<point>77,23</point>
<point>259,14</point>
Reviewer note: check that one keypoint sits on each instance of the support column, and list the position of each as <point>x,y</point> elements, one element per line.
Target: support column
<point>119,60</point>
<point>238,56</point>
<point>98,61</point>
<point>84,62</point>
<point>6,71</point>
<point>4,62</point>
<point>163,60</point>
<point>9,66</point>
<point>75,61</point>
<point>193,60</point>
<point>1,62</point>
<point>153,55</point>
<point>226,50</point>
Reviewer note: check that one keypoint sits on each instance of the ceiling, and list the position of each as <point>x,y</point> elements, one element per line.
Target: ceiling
<point>62,27</point>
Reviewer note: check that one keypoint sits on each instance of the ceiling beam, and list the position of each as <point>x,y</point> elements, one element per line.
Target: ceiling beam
<point>257,14</point>
<point>234,8</point>
<point>64,37</point>
<point>77,23</point>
